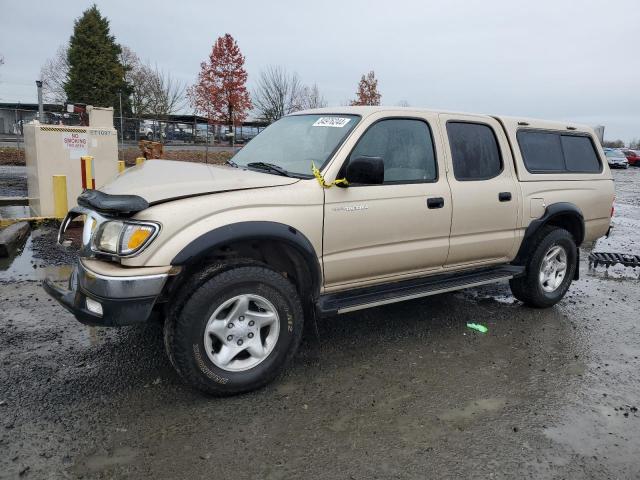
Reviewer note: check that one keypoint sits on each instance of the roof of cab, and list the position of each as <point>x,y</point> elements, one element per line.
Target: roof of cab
<point>510,123</point>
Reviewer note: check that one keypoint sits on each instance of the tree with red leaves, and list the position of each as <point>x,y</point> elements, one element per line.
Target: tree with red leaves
<point>367,93</point>
<point>220,93</point>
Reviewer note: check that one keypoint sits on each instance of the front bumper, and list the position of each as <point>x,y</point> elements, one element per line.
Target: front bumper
<point>124,300</point>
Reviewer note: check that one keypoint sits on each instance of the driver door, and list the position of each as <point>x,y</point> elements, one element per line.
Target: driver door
<point>376,233</point>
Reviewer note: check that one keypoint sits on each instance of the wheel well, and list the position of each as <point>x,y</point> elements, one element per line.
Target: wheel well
<point>278,255</point>
<point>560,215</point>
<point>571,223</point>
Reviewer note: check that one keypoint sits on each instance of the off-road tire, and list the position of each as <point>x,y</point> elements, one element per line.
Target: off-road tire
<point>199,298</point>
<point>527,288</point>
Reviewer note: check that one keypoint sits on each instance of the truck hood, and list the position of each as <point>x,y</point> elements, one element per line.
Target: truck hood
<point>162,180</point>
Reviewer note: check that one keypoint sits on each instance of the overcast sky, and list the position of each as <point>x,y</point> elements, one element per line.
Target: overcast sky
<point>555,59</point>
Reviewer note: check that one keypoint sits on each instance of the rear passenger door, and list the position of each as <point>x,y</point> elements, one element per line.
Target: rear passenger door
<point>484,191</point>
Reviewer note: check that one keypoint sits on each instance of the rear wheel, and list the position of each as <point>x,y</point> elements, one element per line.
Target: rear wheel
<point>236,331</point>
<point>550,269</point>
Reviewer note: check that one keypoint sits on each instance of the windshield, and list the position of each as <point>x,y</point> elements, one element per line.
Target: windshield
<point>293,142</point>
<point>614,154</point>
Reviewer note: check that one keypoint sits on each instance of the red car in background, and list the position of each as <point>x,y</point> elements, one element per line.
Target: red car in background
<point>633,157</point>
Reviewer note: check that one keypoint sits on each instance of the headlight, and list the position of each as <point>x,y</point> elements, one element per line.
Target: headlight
<point>123,238</point>
<point>108,237</point>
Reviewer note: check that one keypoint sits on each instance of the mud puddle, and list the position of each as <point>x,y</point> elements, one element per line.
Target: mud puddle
<point>13,181</point>
<point>15,211</point>
<point>39,258</point>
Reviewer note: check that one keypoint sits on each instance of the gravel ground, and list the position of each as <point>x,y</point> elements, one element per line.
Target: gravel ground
<point>401,391</point>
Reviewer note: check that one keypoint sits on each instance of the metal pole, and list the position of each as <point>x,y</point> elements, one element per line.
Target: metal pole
<point>121,122</point>
<point>233,132</point>
<point>17,125</point>
<point>40,106</point>
<point>206,143</point>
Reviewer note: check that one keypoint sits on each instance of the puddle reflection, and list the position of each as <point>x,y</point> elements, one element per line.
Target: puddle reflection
<point>24,266</point>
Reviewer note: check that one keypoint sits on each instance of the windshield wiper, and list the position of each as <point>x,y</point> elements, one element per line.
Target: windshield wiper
<point>231,162</point>
<point>269,167</point>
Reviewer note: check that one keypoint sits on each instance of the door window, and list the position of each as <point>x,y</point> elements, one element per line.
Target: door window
<point>406,147</point>
<point>474,151</point>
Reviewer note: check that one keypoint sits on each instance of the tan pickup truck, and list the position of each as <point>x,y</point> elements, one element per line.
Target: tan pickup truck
<point>330,211</point>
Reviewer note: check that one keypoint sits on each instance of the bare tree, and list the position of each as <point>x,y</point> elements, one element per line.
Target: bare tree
<point>613,144</point>
<point>54,74</point>
<point>153,92</point>
<point>137,75</point>
<point>403,103</point>
<point>166,94</point>
<point>310,97</point>
<point>278,93</point>
<point>129,59</point>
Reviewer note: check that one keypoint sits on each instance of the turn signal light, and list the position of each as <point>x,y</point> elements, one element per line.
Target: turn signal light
<point>138,237</point>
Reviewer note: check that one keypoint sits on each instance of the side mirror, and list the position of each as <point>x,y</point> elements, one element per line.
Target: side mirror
<point>365,170</point>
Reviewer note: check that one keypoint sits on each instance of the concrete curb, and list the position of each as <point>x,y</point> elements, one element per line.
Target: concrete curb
<point>12,201</point>
<point>12,237</point>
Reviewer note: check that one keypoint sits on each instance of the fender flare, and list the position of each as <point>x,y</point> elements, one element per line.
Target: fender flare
<point>253,231</point>
<point>551,212</point>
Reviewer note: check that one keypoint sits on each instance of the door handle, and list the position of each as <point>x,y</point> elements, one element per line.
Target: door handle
<point>435,202</point>
<point>504,196</point>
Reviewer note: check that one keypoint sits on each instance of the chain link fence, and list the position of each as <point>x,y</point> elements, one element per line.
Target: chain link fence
<point>13,120</point>
<point>175,130</point>
<point>183,131</point>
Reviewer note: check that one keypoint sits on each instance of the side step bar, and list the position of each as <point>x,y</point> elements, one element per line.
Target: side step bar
<point>373,296</point>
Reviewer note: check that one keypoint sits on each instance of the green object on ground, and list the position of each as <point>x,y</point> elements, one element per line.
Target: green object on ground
<point>478,327</point>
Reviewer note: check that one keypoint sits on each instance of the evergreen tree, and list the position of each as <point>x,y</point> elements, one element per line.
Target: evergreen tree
<point>95,72</point>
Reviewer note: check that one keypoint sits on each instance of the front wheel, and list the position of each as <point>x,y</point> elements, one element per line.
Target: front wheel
<point>236,331</point>
<point>550,269</point>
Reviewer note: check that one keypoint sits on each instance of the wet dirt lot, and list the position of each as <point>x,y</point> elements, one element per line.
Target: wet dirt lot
<point>401,391</point>
<point>13,181</point>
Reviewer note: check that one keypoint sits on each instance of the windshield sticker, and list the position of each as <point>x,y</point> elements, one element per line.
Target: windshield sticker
<point>337,122</point>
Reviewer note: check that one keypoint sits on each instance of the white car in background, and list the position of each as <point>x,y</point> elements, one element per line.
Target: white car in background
<point>150,130</point>
<point>616,158</point>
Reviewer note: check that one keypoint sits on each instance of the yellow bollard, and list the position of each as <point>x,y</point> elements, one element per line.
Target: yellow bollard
<point>121,166</point>
<point>88,174</point>
<point>60,206</point>
<point>140,160</point>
